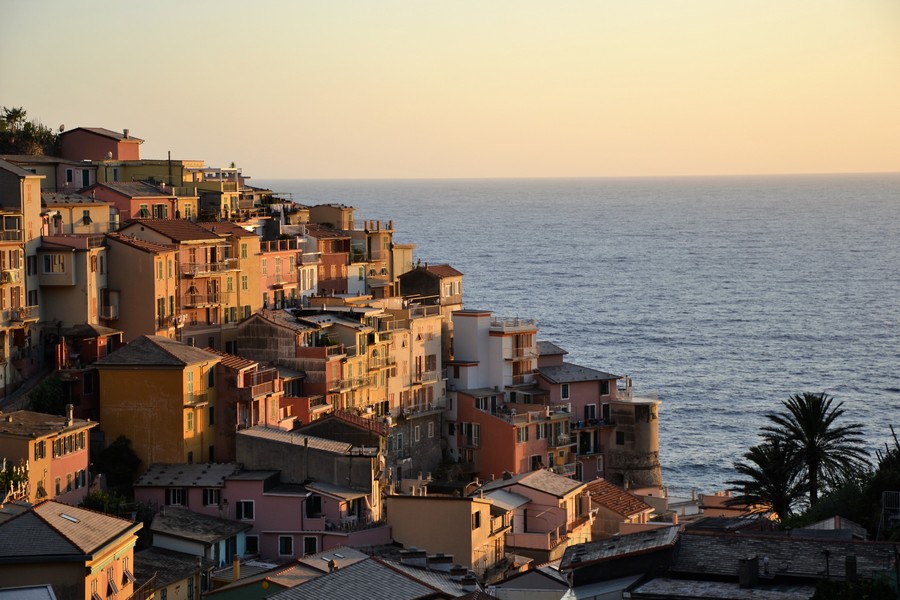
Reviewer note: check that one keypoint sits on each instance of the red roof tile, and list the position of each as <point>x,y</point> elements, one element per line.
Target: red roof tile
<point>615,498</point>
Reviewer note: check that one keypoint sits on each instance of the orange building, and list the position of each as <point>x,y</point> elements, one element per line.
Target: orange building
<point>83,554</point>
<point>161,395</point>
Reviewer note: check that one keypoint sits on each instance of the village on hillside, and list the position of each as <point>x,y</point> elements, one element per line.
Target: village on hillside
<point>295,406</point>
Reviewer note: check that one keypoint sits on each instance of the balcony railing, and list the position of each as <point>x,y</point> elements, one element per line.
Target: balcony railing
<point>425,376</point>
<point>592,423</point>
<point>24,313</point>
<point>10,235</point>
<point>195,398</point>
<point>535,541</point>
<point>192,300</point>
<point>200,269</point>
<point>566,470</point>
<point>11,276</point>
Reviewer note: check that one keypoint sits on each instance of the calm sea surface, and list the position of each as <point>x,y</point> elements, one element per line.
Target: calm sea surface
<point>724,296</point>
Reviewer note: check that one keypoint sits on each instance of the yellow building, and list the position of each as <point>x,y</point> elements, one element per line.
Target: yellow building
<point>83,554</point>
<point>161,395</point>
<point>473,530</point>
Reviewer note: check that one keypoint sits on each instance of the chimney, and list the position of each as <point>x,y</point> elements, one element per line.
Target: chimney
<point>414,557</point>
<point>125,133</point>
<point>236,568</point>
<point>69,418</point>
<point>748,572</point>
<point>440,562</point>
<point>469,583</point>
<point>332,566</point>
<point>457,572</point>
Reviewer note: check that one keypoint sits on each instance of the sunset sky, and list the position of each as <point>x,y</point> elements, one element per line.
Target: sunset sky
<point>382,89</point>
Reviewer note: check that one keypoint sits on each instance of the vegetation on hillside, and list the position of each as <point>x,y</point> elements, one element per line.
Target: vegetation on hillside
<point>18,135</point>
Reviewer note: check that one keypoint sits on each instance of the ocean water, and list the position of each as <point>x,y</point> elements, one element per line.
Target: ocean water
<point>722,296</point>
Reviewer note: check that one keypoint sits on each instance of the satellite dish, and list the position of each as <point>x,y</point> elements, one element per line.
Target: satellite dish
<point>62,128</point>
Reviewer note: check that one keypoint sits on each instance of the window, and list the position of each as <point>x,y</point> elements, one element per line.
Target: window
<point>127,575</point>
<point>620,438</point>
<point>175,497</point>
<point>190,420</point>
<point>565,391</point>
<point>522,435</point>
<point>58,486</point>
<point>211,378</point>
<point>431,429</point>
<point>211,413</point>
<point>70,175</point>
<point>40,450</point>
<point>590,411</point>
<point>244,510</point>
<point>188,211</point>
<point>112,588</point>
<point>481,403</point>
<point>144,211</point>
<point>265,269</point>
<point>54,263</point>
<point>310,545</point>
<point>159,270</point>
<point>285,545</point>
<point>541,430</point>
<point>604,388</point>
<point>476,520</point>
<point>212,496</point>
<point>86,217</point>
<point>69,482</point>
<point>416,435</point>
<point>314,505</point>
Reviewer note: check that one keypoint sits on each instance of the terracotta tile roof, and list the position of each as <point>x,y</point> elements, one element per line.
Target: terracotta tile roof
<point>149,247</point>
<point>153,350</point>
<point>569,373</point>
<point>443,270</point>
<point>231,361</point>
<point>224,228</point>
<point>26,423</point>
<point>87,530</point>
<point>615,498</point>
<point>177,230</point>
<point>116,135</point>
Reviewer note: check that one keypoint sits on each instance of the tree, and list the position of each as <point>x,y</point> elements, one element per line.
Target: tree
<point>48,397</point>
<point>119,462</point>
<point>773,477</point>
<point>829,452</point>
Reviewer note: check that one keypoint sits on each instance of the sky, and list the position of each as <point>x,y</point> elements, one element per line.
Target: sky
<point>425,89</point>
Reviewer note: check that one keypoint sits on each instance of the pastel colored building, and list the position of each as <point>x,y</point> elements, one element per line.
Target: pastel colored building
<point>439,285</point>
<point>72,274</point>
<point>472,530</point>
<point>203,536</point>
<point>142,200</point>
<point>161,395</point>
<point>142,277</point>
<point>556,516</point>
<point>616,509</point>
<point>333,247</point>
<point>60,175</point>
<point>287,273</point>
<point>98,143</point>
<point>71,213</point>
<point>56,450</point>
<point>83,554</point>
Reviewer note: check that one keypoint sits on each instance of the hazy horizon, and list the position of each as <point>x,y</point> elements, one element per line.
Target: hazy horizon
<point>417,90</point>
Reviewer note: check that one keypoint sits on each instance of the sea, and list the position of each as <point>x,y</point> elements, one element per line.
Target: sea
<point>721,296</point>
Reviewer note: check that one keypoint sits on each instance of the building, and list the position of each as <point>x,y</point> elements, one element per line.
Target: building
<point>556,516</point>
<point>83,554</point>
<point>60,175</point>
<point>171,575</point>
<point>208,537</point>
<point>472,530</point>
<point>97,144</point>
<point>616,509</point>
<point>142,277</point>
<point>55,450</point>
<point>143,200</point>
<point>70,213</point>
<point>161,395</point>
<point>438,285</point>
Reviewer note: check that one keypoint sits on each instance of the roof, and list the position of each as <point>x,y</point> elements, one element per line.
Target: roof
<point>507,500</point>
<point>615,498</point>
<point>344,493</point>
<point>569,373</point>
<point>143,245</point>
<point>30,424</point>
<point>55,530</point>
<point>718,554</point>
<point>342,555</point>
<point>88,330</point>
<point>667,587</point>
<point>440,271</point>
<point>369,579</point>
<point>156,351</point>
<point>541,480</point>
<point>296,439</point>
<point>116,135</point>
<point>16,170</point>
<point>58,198</point>
<point>319,232</point>
<point>183,523</point>
<point>231,361</point>
<point>178,230</point>
<point>44,159</point>
<point>169,566</point>
<point>134,189</point>
<point>619,547</point>
<point>223,228</point>
<point>187,475</point>
<point>549,348</point>
<point>437,579</point>
<point>29,592</point>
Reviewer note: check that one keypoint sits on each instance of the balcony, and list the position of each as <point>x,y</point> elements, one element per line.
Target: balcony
<point>592,423</point>
<point>513,325</point>
<point>11,276</point>
<point>207,269</point>
<point>516,354</point>
<point>381,362</point>
<point>561,441</point>
<point>349,383</point>
<point>196,399</point>
<point>423,377</point>
<point>535,541</point>
<point>308,259</point>
<point>566,470</point>
<point>24,314</point>
<point>109,313</point>
<point>198,300</point>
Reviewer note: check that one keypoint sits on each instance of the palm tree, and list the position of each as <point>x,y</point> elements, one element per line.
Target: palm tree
<point>829,452</point>
<point>773,477</point>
